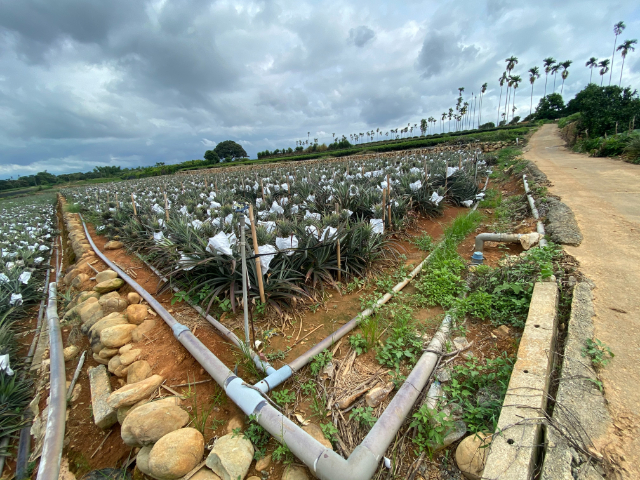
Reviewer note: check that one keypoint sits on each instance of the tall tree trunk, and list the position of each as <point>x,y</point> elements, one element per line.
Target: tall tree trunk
<point>591,75</point>
<point>621,70</point>
<point>612,57</point>
<point>562,88</point>
<point>480,111</point>
<point>555,75</point>
<point>531,104</point>
<point>513,112</point>
<point>546,77</point>
<point>506,105</point>
<point>499,101</point>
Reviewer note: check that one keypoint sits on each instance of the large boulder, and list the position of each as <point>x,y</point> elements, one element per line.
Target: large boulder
<point>149,423</point>
<point>88,308</point>
<point>70,352</point>
<point>108,321</point>
<point>130,356</point>
<point>205,474</point>
<point>116,336</point>
<point>316,432</point>
<point>231,457</point>
<point>130,394</point>
<point>114,362</point>
<point>113,245</point>
<point>176,454</point>
<point>294,472</point>
<point>79,280</point>
<point>113,303</point>
<point>109,285</point>
<point>138,371</point>
<point>471,455</point>
<point>142,460</point>
<point>133,298</point>
<point>105,275</point>
<point>136,313</point>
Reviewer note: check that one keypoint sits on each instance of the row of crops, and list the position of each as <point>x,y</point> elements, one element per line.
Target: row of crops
<point>27,234</point>
<point>314,223</point>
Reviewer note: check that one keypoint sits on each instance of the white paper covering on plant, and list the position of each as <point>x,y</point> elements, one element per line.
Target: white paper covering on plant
<point>287,243</point>
<point>377,224</point>
<point>3,278</point>
<point>267,253</point>
<point>4,364</point>
<point>220,243</point>
<point>269,226</point>
<point>16,299</point>
<point>158,237</point>
<point>435,198</point>
<point>25,277</point>
<point>467,203</point>
<point>328,233</point>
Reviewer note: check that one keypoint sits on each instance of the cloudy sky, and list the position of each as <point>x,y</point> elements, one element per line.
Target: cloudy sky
<point>122,82</point>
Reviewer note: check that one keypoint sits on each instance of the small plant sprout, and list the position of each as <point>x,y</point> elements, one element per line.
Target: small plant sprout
<point>599,353</point>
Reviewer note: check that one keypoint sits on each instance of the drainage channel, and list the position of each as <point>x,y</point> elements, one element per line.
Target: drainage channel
<point>323,462</point>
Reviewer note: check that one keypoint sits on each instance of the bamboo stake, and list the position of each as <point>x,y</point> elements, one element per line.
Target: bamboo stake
<point>262,187</point>
<point>117,203</point>
<point>384,204</point>
<point>133,202</point>
<point>389,200</point>
<point>256,252</point>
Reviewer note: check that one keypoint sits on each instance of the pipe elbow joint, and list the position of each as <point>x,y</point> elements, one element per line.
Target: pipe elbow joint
<point>361,465</point>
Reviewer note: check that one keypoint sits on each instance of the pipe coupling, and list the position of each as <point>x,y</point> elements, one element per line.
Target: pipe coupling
<point>179,328</point>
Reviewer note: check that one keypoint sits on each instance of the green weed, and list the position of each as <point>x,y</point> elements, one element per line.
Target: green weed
<point>432,426</point>
<point>364,416</point>
<point>599,353</point>
<point>284,396</point>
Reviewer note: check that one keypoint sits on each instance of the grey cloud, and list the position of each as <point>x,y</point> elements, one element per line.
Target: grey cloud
<point>359,36</point>
<point>443,51</point>
<point>88,82</point>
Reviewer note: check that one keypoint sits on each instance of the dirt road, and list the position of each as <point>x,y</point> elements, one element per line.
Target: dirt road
<point>604,195</point>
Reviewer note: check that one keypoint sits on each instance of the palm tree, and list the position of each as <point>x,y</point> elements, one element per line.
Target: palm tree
<point>511,63</point>
<point>592,62</point>
<point>502,79</point>
<point>509,85</point>
<point>482,91</point>
<point>444,116</point>
<point>450,115</point>
<point>534,74</point>
<point>554,72</point>
<point>625,48</point>
<point>617,30</point>
<point>565,73</point>
<point>548,64</point>
<point>516,79</point>
<point>604,68</point>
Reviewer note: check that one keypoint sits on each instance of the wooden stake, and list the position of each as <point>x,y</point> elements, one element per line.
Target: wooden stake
<point>384,203</point>
<point>166,206</point>
<point>262,187</point>
<point>133,202</point>
<point>256,252</point>
<point>117,203</point>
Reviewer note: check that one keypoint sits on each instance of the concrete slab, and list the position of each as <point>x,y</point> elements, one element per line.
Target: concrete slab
<point>103,415</point>
<point>519,432</point>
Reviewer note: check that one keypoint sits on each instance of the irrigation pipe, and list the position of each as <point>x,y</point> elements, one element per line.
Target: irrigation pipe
<point>323,462</point>
<point>534,210</point>
<point>54,437</point>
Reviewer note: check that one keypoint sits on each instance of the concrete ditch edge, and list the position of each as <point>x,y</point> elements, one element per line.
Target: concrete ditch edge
<point>580,414</point>
<point>515,447</point>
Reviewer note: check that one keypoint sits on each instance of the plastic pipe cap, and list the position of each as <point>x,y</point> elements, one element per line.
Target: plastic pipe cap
<point>476,258</point>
